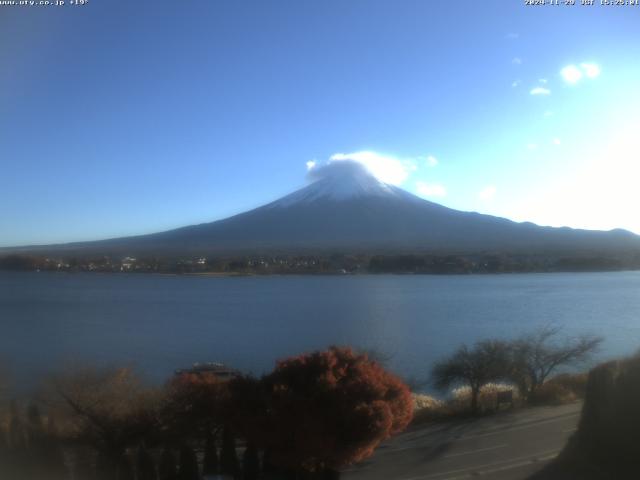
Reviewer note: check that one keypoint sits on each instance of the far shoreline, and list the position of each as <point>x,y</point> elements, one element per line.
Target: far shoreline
<point>318,274</point>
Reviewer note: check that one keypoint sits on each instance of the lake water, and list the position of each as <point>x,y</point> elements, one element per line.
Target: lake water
<point>159,323</point>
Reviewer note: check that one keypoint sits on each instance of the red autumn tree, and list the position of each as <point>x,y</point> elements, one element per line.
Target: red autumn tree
<point>194,404</point>
<point>330,409</point>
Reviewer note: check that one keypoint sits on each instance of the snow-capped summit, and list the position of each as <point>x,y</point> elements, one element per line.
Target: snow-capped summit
<point>339,181</point>
<point>347,209</point>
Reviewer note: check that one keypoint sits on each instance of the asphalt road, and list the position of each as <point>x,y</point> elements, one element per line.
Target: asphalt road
<point>506,446</point>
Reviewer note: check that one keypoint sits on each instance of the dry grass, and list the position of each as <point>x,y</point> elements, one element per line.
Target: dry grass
<point>487,400</point>
<point>422,402</point>
<point>428,408</point>
<point>553,394</point>
<point>561,389</point>
<point>575,383</point>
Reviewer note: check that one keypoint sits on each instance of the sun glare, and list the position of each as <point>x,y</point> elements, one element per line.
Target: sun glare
<point>591,70</point>
<point>571,74</point>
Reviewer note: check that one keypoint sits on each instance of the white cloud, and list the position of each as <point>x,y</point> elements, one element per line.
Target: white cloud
<point>543,81</point>
<point>548,113</point>
<point>591,70</point>
<point>311,164</point>
<point>515,83</point>
<point>430,189</point>
<point>571,74</point>
<point>488,192</point>
<point>385,168</point>
<point>517,61</point>
<point>432,161</point>
<point>556,141</point>
<point>540,91</point>
<point>532,146</point>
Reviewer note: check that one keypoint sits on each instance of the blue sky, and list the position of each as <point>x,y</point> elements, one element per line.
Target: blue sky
<point>124,117</point>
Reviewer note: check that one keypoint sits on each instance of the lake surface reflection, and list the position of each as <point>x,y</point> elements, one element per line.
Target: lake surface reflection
<point>160,323</point>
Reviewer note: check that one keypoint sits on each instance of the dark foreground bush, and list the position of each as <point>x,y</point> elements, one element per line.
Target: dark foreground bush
<point>607,442</point>
<point>326,410</point>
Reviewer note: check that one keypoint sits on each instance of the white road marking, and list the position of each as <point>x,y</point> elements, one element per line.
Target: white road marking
<point>421,433</point>
<point>511,429</point>
<point>504,468</point>
<point>514,462</point>
<point>469,452</point>
<point>390,449</point>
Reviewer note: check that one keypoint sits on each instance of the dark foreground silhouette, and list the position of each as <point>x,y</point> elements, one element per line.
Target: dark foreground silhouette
<point>313,415</point>
<point>607,443</point>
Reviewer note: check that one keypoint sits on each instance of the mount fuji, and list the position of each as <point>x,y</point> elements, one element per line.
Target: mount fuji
<point>347,209</point>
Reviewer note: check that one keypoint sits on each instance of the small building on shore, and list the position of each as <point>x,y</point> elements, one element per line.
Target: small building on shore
<point>216,369</point>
